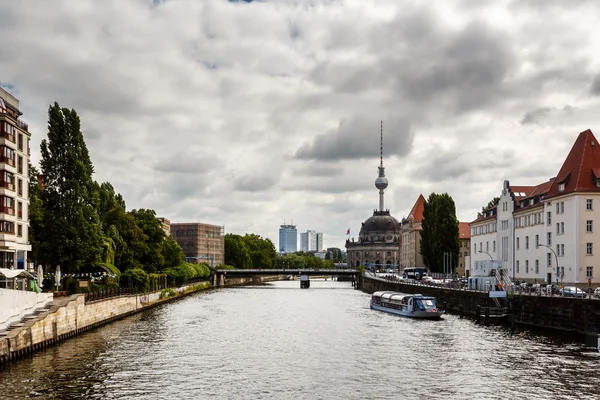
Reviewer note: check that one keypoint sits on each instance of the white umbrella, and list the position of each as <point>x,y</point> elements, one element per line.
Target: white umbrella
<point>57,276</point>
<point>40,276</point>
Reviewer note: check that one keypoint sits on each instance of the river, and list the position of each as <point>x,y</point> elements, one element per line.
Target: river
<point>276,341</point>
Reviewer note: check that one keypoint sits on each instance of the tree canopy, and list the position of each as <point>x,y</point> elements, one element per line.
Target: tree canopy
<point>440,232</point>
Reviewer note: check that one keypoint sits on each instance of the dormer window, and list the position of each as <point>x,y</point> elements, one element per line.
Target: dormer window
<point>597,182</point>
<point>561,187</point>
<point>531,202</point>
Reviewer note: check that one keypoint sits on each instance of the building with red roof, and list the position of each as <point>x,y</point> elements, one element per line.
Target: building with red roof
<point>545,233</point>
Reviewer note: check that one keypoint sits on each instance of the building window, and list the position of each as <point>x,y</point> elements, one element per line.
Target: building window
<point>549,259</point>
<point>20,142</point>
<point>7,227</point>
<point>589,226</point>
<point>562,207</point>
<point>494,246</point>
<point>558,249</point>
<point>7,155</point>
<point>20,187</point>
<point>526,242</point>
<point>562,250</point>
<point>518,243</point>
<point>19,230</point>
<point>480,246</point>
<point>549,239</point>
<point>562,228</point>
<point>561,187</point>
<point>558,208</point>
<point>557,228</point>
<point>526,266</point>
<point>487,247</point>
<point>465,254</point>
<point>537,241</point>
<point>549,218</point>
<point>517,266</point>
<point>537,266</point>
<point>589,272</point>
<point>589,204</point>
<point>589,249</point>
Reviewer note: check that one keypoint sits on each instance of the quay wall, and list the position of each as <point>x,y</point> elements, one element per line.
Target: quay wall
<point>581,316</point>
<point>252,280</point>
<point>18,303</point>
<point>74,315</point>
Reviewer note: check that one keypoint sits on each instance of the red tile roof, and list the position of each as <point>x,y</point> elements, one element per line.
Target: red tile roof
<point>418,208</point>
<point>464,230</point>
<point>484,216</point>
<point>577,172</point>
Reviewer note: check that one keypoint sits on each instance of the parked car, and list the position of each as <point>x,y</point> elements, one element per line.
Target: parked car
<point>572,291</point>
<point>597,293</point>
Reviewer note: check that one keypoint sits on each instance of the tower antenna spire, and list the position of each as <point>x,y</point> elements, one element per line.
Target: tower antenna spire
<point>381,145</point>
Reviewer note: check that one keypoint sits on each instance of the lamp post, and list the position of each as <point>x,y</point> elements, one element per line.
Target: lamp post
<point>491,258</point>
<point>557,267</point>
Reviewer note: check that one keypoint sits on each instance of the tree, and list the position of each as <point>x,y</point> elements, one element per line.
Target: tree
<point>152,259</point>
<point>172,253</point>
<point>262,251</point>
<point>36,214</point>
<point>491,204</point>
<point>71,226</point>
<point>129,240</point>
<point>440,233</point>
<point>108,199</point>
<point>236,252</point>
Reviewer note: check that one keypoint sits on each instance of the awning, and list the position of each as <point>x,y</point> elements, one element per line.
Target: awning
<point>14,273</point>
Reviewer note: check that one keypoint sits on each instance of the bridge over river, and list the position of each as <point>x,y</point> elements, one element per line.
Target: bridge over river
<point>221,274</point>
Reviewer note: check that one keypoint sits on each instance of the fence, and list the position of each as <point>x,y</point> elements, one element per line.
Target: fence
<point>107,293</point>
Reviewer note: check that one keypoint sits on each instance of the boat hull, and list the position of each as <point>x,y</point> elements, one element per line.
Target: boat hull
<point>414,314</point>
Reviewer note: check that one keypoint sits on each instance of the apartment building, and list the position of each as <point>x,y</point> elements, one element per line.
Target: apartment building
<point>201,243</point>
<point>545,233</point>
<point>410,242</point>
<point>14,184</point>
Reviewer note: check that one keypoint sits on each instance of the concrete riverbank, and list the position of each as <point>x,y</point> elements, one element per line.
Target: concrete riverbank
<point>565,314</point>
<point>69,316</point>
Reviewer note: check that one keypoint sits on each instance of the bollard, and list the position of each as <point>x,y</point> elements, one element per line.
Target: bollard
<point>487,315</point>
<point>478,313</point>
<point>460,310</point>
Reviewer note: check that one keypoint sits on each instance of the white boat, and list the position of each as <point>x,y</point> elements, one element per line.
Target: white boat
<point>406,305</point>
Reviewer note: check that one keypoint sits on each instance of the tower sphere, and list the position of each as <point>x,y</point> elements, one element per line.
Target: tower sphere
<point>381,183</point>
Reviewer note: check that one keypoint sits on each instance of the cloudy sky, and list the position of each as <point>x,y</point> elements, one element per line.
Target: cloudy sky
<point>247,114</point>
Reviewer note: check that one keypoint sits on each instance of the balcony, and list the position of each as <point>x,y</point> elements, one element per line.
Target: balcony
<point>8,136</point>
<point>8,185</point>
<point>23,125</point>
<point>7,160</point>
<point>7,210</point>
<point>20,214</point>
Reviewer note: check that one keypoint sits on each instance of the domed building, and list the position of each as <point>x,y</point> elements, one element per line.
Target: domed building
<point>379,240</point>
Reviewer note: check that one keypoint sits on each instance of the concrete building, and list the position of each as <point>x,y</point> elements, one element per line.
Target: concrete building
<point>545,233</point>
<point>378,244</point>
<point>288,239</point>
<point>410,254</point>
<point>201,243</point>
<point>14,184</point>
<point>308,241</point>
<point>464,256</point>
<point>320,241</point>
<point>165,225</point>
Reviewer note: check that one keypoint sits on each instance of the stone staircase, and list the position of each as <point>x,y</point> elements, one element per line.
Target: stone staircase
<point>33,316</point>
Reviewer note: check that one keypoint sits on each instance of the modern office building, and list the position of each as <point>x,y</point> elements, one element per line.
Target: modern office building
<point>201,243</point>
<point>14,184</point>
<point>288,239</point>
<point>546,232</point>
<point>320,242</point>
<point>308,241</point>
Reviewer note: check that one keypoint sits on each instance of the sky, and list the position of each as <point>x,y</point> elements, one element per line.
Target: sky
<point>249,114</point>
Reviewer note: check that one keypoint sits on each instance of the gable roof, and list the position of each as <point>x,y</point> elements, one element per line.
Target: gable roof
<point>464,230</point>
<point>577,172</point>
<point>418,208</point>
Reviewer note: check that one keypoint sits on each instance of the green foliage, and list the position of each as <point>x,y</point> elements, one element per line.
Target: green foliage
<point>172,252</point>
<point>71,227</point>
<point>109,267</point>
<point>440,232</point>
<point>128,238</point>
<point>36,214</point>
<point>262,251</point>
<point>236,252</point>
<point>224,266</point>
<point>155,281</point>
<point>135,277</point>
<point>491,204</point>
<point>167,292</point>
<point>152,258</point>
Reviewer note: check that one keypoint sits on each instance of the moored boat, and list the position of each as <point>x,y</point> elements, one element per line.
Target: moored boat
<point>406,305</point>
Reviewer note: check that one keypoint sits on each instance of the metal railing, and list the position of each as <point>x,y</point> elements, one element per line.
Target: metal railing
<point>108,293</point>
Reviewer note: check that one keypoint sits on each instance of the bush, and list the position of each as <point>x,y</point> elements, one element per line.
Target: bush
<point>166,293</point>
<point>135,277</point>
<point>156,281</point>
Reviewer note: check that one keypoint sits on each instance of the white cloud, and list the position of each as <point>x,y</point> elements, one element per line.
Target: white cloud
<point>246,114</point>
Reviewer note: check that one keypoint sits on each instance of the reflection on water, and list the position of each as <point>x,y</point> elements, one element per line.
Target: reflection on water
<point>279,342</point>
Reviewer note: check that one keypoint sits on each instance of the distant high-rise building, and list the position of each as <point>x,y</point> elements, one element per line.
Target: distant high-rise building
<point>201,243</point>
<point>308,241</point>
<point>319,244</point>
<point>288,239</point>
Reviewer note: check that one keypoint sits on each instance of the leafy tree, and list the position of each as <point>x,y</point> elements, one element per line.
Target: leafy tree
<point>262,251</point>
<point>491,204</point>
<point>36,214</point>
<point>440,232</point>
<point>129,240</point>
<point>152,258</point>
<point>71,226</point>
<point>172,253</point>
<point>135,277</point>
<point>236,252</point>
<point>328,255</point>
<point>108,200</point>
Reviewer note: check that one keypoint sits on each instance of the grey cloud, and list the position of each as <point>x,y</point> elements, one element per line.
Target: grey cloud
<point>595,89</point>
<point>357,138</point>
<point>533,117</point>
<point>255,182</point>
<point>318,169</point>
<point>187,162</point>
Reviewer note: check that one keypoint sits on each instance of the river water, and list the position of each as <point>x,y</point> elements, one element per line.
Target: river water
<point>277,341</point>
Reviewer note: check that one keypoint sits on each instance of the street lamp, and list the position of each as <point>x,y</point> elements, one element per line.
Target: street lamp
<point>557,267</point>
<point>491,258</point>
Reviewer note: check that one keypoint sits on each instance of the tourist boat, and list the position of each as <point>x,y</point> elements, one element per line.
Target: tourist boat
<point>406,305</point>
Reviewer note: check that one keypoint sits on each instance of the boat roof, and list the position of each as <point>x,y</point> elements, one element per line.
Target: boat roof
<point>398,295</point>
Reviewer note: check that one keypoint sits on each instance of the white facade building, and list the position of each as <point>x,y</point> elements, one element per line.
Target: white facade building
<point>545,233</point>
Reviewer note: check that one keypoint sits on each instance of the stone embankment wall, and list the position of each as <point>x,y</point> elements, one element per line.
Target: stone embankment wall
<point>252,280</point>
<point>18,303</point>
<point>581,316</point>
<point>72,316</point>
